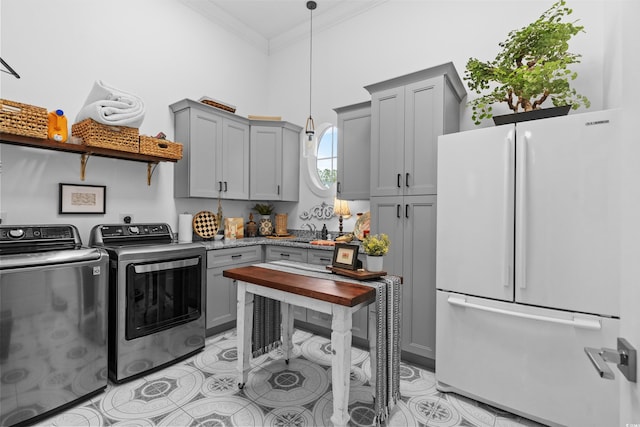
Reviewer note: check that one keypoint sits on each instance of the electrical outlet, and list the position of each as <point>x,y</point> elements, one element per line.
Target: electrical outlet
<point>126,218</point>
<point>3,217</point>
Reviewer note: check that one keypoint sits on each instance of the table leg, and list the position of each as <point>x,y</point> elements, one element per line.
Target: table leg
<point>286,311</point>
<point>244,330</point>
<point>340,364</point>
<point>373,339</point>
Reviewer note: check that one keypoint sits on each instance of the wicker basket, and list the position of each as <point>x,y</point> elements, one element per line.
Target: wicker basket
<point>23,119</point>
<point>281,224</point>
<point>160,147</point>
<point>94,134</point>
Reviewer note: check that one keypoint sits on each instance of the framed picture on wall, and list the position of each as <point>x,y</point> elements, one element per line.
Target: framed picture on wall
<point>82,199</point>
<point>345,256</point>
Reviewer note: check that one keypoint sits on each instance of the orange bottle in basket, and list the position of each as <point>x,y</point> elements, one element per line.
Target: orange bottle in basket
<point>58,130</point>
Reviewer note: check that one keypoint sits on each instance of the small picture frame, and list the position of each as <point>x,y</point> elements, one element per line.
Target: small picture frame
<point>82,199</point>
<point>345,256</point>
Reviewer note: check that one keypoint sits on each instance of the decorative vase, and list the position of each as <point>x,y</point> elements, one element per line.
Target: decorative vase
<point>265,227</point>
<point>374,263</point>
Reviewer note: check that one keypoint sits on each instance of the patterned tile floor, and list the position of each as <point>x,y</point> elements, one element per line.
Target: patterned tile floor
<point>202,391</point>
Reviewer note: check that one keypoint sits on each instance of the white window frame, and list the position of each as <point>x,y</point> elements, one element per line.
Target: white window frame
<point>311,170</point>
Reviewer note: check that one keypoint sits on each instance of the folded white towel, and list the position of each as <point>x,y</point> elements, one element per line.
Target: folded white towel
<point>112,106</point>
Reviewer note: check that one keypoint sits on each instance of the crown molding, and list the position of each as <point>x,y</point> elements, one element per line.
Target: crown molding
<point>322,21</point>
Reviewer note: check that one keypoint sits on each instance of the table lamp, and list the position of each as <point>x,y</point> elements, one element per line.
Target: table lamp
<point>341,209</point>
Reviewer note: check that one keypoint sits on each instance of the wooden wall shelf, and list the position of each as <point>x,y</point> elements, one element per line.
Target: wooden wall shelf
<point>84,151</point>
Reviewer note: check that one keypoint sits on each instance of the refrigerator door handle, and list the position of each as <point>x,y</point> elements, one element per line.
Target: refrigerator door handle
<point>507,240</point>
<point>521,216</point>
<point>577,322</point>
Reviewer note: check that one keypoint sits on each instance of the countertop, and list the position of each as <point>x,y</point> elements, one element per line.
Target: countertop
<point>296,242</point>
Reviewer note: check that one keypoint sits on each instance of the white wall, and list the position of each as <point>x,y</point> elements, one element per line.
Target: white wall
<point>402,36</point>
<point>159,50</point>
<point>163,52</point>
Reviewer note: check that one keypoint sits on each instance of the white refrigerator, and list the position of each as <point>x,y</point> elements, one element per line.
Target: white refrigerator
<point>528,245</point>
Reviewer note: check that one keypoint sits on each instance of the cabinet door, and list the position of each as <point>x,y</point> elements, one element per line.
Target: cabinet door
<point>202,133</point>
<point>419,273</point>
<point>387,216</point>
<point>424,121</point>
<point>290,181</point>
<point>387,142</point>
<point>234,161</point>
<point>266,162</point>
<point>354,154</point>
<point>221,298</point>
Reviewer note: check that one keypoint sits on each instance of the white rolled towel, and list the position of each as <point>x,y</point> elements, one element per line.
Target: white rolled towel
<point>112,106</point>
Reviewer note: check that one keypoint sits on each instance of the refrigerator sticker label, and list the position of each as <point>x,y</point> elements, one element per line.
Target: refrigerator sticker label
<point>597,122</point>
<point>96,271</point>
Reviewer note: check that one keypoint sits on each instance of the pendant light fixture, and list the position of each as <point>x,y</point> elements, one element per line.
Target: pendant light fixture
<point>310,141</point>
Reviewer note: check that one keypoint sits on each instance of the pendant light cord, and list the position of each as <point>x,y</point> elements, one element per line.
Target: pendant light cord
<point>311,7</point>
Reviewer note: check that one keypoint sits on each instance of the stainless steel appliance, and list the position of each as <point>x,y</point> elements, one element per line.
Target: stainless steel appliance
<point>156,297</point>
<point>53,321</point>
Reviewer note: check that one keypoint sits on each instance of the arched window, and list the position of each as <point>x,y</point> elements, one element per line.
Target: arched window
<point>327,156</point>
<point>321,166</point>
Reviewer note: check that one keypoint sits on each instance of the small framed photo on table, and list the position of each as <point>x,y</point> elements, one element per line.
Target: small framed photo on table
<point>345,256</point>
<point>82,199</point>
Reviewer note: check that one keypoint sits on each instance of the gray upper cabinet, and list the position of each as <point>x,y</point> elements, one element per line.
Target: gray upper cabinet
<point>408,113</point>
<point>354,141</point>
<point>275,160</point>
<point>215,158</point>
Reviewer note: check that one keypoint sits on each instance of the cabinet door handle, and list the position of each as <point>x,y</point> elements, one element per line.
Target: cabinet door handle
<point>406,210</point>
<point>219,185</point>
<point>398,211</point>
<point>406,180</point>
<point>225,186</point>
<point>399,179</point>
<point>325,259</point>
<point>338,187</point>
<point>285,255</point>
<point>236,256</point>
<point>278,189</point>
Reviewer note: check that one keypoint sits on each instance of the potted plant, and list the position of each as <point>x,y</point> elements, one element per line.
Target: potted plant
<point>375,246</point>
<point>531,68</point>
<point>265,226</point>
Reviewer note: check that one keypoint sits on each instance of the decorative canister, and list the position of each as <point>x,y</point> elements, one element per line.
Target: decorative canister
<point>251,228</point>
<point>265,225</point>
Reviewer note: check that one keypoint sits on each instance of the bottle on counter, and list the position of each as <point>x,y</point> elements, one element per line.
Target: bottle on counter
<point>324,232</point>
<point>57,129</point>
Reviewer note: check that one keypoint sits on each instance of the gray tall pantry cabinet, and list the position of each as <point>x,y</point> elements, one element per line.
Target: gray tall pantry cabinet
<point>408,113</point>
<point>215,152</point>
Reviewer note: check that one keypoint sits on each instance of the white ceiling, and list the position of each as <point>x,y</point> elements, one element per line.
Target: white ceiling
<point>273,24</point>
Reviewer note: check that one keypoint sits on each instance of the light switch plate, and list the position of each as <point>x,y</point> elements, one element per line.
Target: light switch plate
<point>630,368</point>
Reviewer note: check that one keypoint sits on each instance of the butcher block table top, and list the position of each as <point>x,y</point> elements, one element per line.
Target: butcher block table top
<point>333,291</point>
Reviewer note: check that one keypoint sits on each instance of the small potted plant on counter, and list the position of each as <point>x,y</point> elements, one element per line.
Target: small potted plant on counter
<point>375,246</point>
<point>532,67</point>
<point>265,226</point>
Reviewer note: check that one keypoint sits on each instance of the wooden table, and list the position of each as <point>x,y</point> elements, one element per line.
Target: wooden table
<point>340,299</point>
